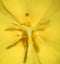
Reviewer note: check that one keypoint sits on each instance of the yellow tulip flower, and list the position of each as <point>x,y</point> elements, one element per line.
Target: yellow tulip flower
<point>29,31</point>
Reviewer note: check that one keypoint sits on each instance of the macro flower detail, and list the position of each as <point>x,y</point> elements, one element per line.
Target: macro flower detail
<point>28,35</point>
<point>29,32</point>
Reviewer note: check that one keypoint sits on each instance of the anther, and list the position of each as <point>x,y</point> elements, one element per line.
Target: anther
<point>27,14</point>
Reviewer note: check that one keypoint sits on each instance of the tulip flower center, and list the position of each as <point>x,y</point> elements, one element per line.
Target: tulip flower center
<point>27,35</point>
<point>27,32</point>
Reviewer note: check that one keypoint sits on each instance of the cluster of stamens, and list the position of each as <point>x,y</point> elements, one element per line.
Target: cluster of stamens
<point>27,38</point>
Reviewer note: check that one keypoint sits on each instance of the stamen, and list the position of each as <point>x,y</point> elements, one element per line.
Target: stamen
<point>36,47</point>
<point>25,58</point>
<point>25,45</point>
<point>15,24</point>
<point>13,29</point>
<point>10,46</point>
<point>42,24</point>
